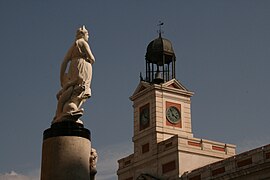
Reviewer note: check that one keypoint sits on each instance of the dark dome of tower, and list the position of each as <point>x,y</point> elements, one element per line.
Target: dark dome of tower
<point>160,51</point>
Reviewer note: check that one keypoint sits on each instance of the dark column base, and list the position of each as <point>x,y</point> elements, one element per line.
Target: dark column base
<point>67,128</point>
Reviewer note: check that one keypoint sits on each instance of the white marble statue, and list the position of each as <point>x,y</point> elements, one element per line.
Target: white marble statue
<point>75,77</point>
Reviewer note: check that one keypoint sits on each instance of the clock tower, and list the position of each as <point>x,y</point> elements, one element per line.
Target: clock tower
<point>164,146</point>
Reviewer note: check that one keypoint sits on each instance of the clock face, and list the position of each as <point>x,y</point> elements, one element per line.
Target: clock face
<point>144,116</point>
<point>173,115</point>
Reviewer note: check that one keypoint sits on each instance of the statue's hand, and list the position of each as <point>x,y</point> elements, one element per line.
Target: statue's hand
<point>89,60</point>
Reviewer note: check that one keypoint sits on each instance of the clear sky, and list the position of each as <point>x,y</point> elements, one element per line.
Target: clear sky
<point>222,49</point>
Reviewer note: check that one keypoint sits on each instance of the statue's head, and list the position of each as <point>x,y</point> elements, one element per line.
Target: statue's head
<point>82,33</point>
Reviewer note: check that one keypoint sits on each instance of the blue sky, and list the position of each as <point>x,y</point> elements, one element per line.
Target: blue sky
<point>222,50</point>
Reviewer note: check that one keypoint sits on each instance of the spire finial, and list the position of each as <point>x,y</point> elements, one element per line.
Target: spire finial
<point>160,30</point>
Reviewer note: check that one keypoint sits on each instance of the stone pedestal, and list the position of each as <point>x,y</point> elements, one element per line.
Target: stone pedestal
<point>65,152</point>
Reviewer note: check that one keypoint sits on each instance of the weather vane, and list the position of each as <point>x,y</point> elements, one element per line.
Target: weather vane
<point>160,30</point>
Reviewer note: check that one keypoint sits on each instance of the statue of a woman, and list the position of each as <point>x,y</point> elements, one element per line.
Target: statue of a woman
<point>77,80</point>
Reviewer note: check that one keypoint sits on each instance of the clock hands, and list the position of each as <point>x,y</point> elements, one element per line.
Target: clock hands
<point>173,113</point>
<point>175,116</point>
